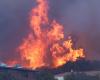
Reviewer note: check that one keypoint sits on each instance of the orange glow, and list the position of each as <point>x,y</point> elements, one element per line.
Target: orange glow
<point>12,63</point>
<point>46,47</point>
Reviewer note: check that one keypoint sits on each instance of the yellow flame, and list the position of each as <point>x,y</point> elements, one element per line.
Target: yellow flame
<point>46,48</point>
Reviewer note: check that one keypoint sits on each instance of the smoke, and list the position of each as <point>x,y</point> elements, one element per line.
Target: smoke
<point>80,18</point>
<point>13,26</point>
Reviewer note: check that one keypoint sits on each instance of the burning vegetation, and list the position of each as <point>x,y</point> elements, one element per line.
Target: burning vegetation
<point>46,45</point>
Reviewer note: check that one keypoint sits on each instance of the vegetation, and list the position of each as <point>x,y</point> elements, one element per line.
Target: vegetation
<point>81,76</point>
<point>6,76</point>
<point>45,75</point>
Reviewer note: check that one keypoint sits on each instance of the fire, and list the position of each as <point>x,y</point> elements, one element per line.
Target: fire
<point>46,47</point>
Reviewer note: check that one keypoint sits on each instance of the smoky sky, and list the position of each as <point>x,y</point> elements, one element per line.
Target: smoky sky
<point>80,18</point>
<point>13,26</point>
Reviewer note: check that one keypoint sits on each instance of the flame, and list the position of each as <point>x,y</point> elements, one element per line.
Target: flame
<point>46,47</point>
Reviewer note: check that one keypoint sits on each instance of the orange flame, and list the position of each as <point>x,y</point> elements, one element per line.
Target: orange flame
<point>46,47</point>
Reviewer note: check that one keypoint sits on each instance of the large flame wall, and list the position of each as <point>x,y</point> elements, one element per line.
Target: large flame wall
<point>46,45</point>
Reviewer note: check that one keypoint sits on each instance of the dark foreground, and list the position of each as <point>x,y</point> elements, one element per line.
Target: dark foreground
<point>24,74</point>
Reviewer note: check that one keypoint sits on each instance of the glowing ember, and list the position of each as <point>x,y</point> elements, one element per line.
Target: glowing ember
<point>46,47</point>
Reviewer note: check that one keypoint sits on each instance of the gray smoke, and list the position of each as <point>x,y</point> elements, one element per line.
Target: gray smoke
<point>79,17</point>
<point>13,26</point>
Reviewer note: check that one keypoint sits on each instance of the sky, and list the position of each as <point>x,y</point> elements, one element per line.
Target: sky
<point>80,18</point>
